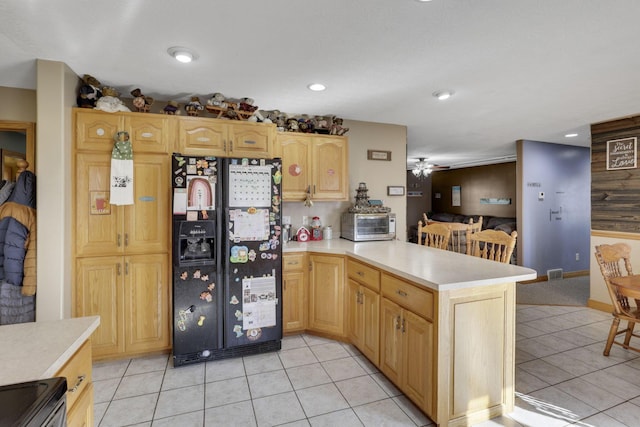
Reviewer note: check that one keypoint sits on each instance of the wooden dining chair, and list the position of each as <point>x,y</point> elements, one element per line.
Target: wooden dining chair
<point>434,235</point>
<point>458,240</point>
<point>495,245</point>
<point>615,261</point>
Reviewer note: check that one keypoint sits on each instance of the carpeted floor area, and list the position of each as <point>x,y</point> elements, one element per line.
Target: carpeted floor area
<point>569,291</point>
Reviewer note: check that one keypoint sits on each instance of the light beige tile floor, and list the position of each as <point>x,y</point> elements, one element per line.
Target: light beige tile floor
<point>562,379</point>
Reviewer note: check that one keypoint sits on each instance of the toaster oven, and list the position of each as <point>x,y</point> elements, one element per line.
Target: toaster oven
<point>362,227</point>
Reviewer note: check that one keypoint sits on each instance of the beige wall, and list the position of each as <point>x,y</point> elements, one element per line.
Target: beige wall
<point>56,85</point>
<point>17,104</point>
<point>376,174</point>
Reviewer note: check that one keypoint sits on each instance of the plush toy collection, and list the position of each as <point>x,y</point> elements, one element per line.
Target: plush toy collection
<point>92,95</point>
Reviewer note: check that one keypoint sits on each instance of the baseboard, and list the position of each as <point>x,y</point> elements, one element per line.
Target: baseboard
<point>567,275</point>
<point>600,306</point>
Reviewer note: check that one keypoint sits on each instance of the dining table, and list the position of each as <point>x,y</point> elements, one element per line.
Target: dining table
<point>631,285</point>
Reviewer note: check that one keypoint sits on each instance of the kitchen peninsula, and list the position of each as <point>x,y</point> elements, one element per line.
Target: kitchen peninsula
<point>439,324</point>
<point>40,350</point>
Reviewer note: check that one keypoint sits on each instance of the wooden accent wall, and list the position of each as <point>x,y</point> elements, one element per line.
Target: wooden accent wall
<point>490,181</point>
<point>615,194</point>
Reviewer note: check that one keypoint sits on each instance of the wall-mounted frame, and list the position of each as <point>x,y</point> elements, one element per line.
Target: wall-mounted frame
<point>622,153</point>
<point>395,190</point>
<point>455,195</point>
<point>378,155</point>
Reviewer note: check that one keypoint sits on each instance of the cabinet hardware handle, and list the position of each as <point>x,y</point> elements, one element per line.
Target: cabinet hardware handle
<point>126,239</point>
<point>119,240</point>
<point>401,293</point>
<point>293,262</point>
<point>398,322</point>
<point>75,387</point>
<point>126,268</point>
<point>403,329</point>
<point>118,272</point>
<point>360,273</point>
<point>314,189</point>
<point>231,145</point>
<point>224,145</point>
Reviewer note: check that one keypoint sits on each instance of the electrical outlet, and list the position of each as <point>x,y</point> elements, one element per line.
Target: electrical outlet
<point>577,256</point>
<point>305,220</point>
<point>286,220</point>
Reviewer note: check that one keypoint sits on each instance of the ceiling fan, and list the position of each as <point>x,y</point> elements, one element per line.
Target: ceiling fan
<point>423,168</point>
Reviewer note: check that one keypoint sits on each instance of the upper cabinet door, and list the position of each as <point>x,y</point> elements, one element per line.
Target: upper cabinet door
<point>295,150</point>
<point>95,129</point>
<point>149,133</point>
<point>98,224</point>
<point>330,158</point>
<point>146,223</point>
<point>250,140</point>
<point>201,136</point>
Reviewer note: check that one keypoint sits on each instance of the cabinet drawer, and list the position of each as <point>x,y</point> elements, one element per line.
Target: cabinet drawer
<point>293,262</point>
<point>78,373</point>
<point>364,274</point>
<point>81,414</point>
<point>417,300</point>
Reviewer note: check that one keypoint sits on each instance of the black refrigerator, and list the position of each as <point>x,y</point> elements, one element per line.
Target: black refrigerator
<point>227,257</point>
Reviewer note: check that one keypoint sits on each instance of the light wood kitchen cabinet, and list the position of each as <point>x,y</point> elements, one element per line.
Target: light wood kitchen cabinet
<point>150,133</point>
<point>121,253</point>
<point>363,308</point>
<point>215,137</point>
<point>131,296</point>
<point>314,163</point>
<point>326,294</point>
<point>104,229</point>
<point>407,341</point>
<point>79,396</point>
<point>294,292</point>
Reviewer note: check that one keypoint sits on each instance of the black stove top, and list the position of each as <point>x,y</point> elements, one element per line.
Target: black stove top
<point>30,403</point>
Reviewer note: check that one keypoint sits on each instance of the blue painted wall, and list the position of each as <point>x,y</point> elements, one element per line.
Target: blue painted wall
<point>558,226</point>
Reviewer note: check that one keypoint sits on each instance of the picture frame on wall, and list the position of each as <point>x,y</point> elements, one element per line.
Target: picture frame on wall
<point>378,155</point>
<point>622,153</point>
<point>395,190</point>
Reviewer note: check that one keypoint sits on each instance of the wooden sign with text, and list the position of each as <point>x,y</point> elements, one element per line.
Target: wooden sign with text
<point>622,153</point>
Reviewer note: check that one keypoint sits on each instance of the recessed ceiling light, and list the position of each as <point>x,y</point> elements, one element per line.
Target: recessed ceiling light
<point>443,94</point>
<point>182,54</point>
<point>571,135</point>
<point>316,87</point>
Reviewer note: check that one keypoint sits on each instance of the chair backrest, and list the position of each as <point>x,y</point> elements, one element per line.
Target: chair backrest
<point>495,245</point>
<point>435,235</point>
<point>611,260</point>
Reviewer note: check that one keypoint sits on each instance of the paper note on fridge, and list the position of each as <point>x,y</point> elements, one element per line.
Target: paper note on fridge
<point>250,226</point>
<point>258,302</point>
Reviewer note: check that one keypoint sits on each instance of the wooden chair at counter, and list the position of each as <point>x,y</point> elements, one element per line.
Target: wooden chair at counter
<point>495,245</point>
<point>611,260</point>
<point>435,235</point>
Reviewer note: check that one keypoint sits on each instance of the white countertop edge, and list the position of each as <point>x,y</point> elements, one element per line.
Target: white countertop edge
<point>94,322</point>
<point>448,286</point>
<point>38,350</point>
<point>410,266</point>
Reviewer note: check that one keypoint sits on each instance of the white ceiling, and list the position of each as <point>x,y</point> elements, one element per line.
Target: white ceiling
<point>520,69</point>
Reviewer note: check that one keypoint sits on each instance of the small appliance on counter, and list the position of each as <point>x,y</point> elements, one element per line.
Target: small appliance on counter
<point>367,222</point>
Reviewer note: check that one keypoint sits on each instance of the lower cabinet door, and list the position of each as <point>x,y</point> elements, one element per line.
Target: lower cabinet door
<point>418,361</point>
<point>391,340</point>
<point>370,334</point>
<point>81,414</point>
<point>293,304</point>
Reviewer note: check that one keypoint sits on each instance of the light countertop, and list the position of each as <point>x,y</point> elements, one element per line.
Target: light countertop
<point>37,350</point>
<point>434,268</point>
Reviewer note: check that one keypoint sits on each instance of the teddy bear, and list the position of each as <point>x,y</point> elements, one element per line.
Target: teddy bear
<point>194,106</point>
<point>110,102</point>
<point>292,125</point>
<point>89,92</point>
<point>336,127</point>
<point>217,100</point>
<point>172,108</point>
<point>140,101</point>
